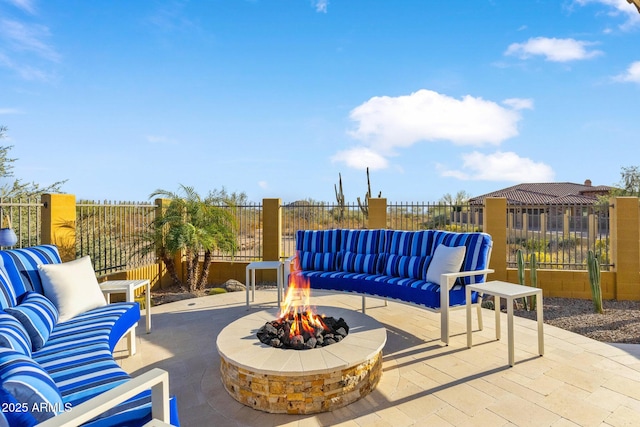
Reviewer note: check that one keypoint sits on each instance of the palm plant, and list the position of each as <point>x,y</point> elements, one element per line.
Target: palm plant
<point>191,225</point>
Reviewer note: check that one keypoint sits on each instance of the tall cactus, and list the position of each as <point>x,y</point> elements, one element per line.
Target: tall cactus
<point>340,198</point>
<point>364,207</point>
<point>593,265</point>
<point>520,261</point>
<point>534,278</point>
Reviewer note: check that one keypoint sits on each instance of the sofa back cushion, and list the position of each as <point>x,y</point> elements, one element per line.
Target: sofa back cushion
<point>21,267</point>
<point>7,292</point>
<point>412,267</point>
<point>318,240</point>
<point>362,251</point>
<point>478,250</point>
<point>318,261</point>
<point>409,243</point>
<point>38,315</point>
<point>29,384</point>
<point>13,335</point>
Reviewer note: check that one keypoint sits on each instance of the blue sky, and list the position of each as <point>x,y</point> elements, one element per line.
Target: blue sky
<point>275,98</point>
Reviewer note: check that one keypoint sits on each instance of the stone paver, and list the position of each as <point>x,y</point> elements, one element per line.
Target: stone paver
<point>578,381</point>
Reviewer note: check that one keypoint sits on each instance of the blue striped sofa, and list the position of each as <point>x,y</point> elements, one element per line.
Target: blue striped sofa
<point>401,265</point>
<point>51,370</point>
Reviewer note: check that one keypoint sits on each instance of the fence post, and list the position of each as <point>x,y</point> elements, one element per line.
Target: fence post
<point>625,247</point>
<point>377,213</point>
<point>58,216</point>
<point>272,235</point>
<point>494,223</point>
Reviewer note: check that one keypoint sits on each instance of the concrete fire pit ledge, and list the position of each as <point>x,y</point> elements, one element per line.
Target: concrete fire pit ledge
<point>289,381</point>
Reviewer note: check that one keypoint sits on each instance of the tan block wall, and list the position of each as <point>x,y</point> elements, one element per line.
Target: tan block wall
<point>59,223</point>
<point>494,223</point>
<point>567,283</point>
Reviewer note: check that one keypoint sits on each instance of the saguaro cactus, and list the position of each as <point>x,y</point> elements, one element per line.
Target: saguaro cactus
<point>364,207</point>
<point>520,261</point>
<point>534,278</point>
<point>340,198</point>
<point>593,265</point>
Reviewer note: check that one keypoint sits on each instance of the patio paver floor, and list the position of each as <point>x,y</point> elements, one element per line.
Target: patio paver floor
<point>578,381</point>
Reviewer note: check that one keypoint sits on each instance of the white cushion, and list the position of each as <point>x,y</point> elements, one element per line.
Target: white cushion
<point>445,260</point>
<point>72,286</point>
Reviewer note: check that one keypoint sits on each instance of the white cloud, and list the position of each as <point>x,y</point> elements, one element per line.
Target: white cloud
<point>631,75</point>
<point>160,139</point>
<point>263,184</point>
<point>10,111</point>
<point>519,103</point>
<point>28,38</point>
<point>384,124</point>
<point>499,166</point>
<point>361,158</point>
<point>321,5</point>
<point>26,5</point>
<point>555,50</point>
<point>618,8</point>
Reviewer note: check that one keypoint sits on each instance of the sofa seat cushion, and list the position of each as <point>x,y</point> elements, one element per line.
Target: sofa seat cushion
<point>109,323</point>
<point>416,291</point>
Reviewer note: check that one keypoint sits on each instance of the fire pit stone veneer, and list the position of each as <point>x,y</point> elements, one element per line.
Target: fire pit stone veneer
<point>278,380</point>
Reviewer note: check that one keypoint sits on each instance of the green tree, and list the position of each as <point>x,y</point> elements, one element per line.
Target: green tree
<point>192,226</point>
<point>16,188</point>
<point>629,182</point>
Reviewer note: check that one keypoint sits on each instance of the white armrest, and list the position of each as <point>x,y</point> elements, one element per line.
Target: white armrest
<point>287,268</point>
<point>450,278</point>
<point>156,379</point>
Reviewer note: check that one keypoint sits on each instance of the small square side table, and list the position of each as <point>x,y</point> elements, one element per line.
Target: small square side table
<point>128,287</point>
<point>263,265</point>
<point>510,292</point>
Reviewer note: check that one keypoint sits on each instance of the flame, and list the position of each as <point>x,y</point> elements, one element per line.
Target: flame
<point>297,309</point>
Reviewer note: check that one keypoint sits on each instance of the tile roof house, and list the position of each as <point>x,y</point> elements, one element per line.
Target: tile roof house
<point>547,193</point>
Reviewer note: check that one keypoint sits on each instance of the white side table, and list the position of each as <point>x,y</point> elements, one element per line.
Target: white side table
<point>128,287</point>
<point>510,292</point>
<point>251,277</point>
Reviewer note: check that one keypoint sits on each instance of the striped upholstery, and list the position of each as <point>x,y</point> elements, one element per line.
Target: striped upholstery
<point>390,263</point>
<point>7,293</point>
<point>38,315</point>
<point>21,266</point>
<point>318,240</point>
<point>20,417</point>
<point>13,335</point>
<point>29,383</point>
<point>361,251</point>
<point>76,360</point>
<point>477,254</point>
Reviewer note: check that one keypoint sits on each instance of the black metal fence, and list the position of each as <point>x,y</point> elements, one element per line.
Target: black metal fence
<point>24,216</point>
<point>560,235</point>
<point>109,232</point>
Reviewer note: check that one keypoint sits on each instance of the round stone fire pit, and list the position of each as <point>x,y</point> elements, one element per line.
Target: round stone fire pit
<point>290,381</point>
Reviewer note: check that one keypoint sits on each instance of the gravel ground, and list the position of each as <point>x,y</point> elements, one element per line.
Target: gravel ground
<point>620,322</point>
